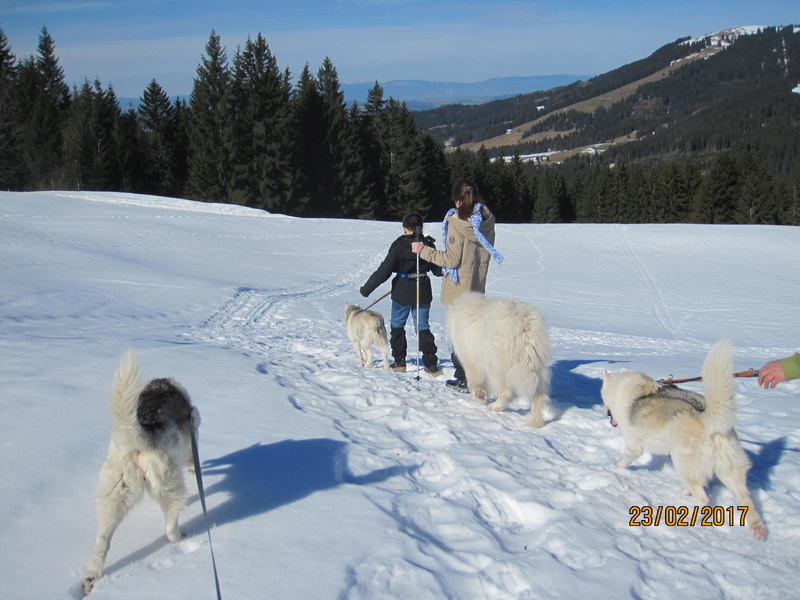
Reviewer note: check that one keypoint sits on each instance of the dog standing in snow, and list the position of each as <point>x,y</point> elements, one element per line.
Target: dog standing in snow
<point>696,431</point>
<point>503,345</point>
<point>366,328</point>
<point>151,432</point>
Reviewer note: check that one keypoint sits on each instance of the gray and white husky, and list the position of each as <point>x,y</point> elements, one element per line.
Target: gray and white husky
<point>366,328</point>
<point>151,432</point>
<point>696,431</point>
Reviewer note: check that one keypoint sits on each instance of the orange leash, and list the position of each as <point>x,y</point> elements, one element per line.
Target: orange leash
<point>748,373</point>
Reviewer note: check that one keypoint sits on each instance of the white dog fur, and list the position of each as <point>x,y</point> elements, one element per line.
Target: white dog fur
<point>150,443</point>
<point>503,345</point>
<point>697,432</point>
<point>366,328</point>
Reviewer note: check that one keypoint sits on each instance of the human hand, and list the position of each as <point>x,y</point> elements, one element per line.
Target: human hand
<point>771,374</point>
<point>416,247</point>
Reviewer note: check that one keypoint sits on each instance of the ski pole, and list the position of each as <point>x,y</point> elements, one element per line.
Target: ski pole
<point>417,238</point>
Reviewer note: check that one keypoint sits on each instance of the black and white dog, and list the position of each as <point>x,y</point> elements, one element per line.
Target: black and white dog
<point>151,432</point>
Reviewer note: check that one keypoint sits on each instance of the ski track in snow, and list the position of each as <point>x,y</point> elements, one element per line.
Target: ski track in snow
<point>657,300</point>
<point>457,510</point>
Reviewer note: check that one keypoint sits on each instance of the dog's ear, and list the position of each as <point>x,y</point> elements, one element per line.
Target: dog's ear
<point>606,375</point>
<point>624,370</point>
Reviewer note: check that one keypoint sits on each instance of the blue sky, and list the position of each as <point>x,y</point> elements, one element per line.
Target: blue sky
<point>129,42</point>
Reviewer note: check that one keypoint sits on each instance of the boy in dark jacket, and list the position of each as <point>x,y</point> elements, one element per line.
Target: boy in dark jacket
<point>400,260</point>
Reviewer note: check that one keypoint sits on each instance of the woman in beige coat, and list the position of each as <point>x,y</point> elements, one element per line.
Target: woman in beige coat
<point>469,246</point>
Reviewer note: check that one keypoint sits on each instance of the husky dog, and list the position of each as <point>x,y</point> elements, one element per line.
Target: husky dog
<point>151,432</point>
<point>366,328</point>
<point>503,345</point>
<point>696,431</point>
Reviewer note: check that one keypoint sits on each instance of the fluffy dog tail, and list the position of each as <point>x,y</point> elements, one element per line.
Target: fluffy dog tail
<point>123,400</point>
<point>531,374</point>
<point>719,387</point>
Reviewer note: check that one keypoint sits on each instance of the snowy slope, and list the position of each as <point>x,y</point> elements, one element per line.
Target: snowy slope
<point>328,481</point>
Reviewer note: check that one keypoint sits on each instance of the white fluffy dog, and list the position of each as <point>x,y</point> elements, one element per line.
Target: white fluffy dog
<point>150,442</point>
<point>366,328</point>
<point>696,431</point>
<point>503,345</point>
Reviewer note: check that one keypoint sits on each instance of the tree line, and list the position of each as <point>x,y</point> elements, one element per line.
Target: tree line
<point>248,135</point>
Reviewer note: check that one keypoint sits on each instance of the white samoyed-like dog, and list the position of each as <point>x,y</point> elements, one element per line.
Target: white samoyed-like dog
<point>366,328</point>
<point>696,431</point>
<point>151,433</point>
<point>503,345</point>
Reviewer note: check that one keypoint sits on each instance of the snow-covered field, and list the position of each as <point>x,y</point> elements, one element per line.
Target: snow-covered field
<point>328,481</point>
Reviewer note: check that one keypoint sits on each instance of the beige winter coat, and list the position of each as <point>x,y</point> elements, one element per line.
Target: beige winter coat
<point>465,253</point>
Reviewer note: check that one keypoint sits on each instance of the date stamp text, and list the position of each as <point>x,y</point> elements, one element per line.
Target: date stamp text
<point>684,516</point>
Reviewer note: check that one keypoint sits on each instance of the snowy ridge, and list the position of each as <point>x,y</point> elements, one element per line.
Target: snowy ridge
<point>325,480</point>
<point>727,36</point>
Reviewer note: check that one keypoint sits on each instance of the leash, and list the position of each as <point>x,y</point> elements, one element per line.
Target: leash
<point>378,300</point>
<point>199,476</point>
<point>748,373</point>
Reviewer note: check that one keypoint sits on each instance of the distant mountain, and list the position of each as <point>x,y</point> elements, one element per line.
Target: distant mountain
<point>730,90</point>
<point>422,95</point>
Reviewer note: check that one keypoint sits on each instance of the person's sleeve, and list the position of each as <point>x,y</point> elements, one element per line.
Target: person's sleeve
<point>450,259</point>
<point>381,274</point>
<point>435,269</point>
<point>791,366</point>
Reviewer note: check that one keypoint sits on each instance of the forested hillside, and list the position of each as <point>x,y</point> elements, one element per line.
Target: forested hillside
<point>703,130</point>
<point>700,131</point>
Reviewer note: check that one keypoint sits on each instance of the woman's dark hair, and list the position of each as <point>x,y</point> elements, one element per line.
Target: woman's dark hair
<point>467,192</point>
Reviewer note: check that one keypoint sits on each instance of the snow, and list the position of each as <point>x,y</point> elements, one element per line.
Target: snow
<point>324,480</point>
<point>727,36</point>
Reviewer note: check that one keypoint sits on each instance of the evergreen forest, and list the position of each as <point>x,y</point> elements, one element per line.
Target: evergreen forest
<point>251,135</point>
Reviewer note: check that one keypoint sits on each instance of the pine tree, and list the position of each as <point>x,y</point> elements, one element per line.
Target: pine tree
<point>9,135</point>
<point>551,198</point>
<point>520,208</point>
<point>656,197</point>
<point>431,174</point>
<point>44,94</point>
<point>260,110</point>
<point>179,166</point>
<point>361,168</point>
<point>791,206</point>
<point>375,101</point>
<point>308,152</point>
<point>756,197</point>
<point>716,198</point>
<point>400,154</point>
<point>129,155</point>
<point>336,170</point>
<point>89,142</point>
<point>210,131</point>
<point>156,119</point>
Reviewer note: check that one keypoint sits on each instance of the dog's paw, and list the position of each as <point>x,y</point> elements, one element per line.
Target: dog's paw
<point>623,463</point>
<point>759,531</point>
<point>480,396</point>
<point>88,584</point>
<point>536,422</point>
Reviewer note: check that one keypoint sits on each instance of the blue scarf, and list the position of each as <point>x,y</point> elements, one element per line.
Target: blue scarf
<point>476,219</point>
